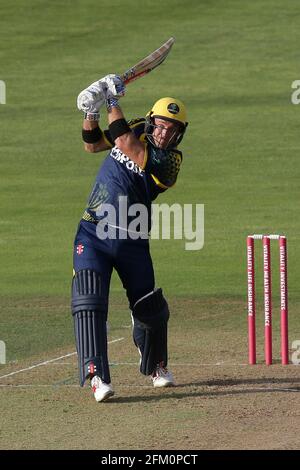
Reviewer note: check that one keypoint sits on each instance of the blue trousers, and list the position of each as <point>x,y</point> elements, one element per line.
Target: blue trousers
<point>132,261</point>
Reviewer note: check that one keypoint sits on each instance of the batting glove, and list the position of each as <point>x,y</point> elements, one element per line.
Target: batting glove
<point>115,87</point>
<point>91,99</point>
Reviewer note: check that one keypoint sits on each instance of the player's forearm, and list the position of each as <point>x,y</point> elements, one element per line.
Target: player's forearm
<point>98,146</point>
<point>127,142</point>
<point>114,113</point>
<point>94,148</point>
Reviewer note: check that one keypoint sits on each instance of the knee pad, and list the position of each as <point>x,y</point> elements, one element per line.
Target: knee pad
<point>89,310</point>
<point>151,315</point>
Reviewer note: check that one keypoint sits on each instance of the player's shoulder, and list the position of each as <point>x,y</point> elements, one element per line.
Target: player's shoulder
<point>163,165</point>
<point>136,121</point>
<point>137,125</point>
<point>176,153</point>
<point>159,154</point>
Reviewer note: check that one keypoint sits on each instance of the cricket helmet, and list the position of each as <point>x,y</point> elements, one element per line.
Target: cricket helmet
<point>168,109</point>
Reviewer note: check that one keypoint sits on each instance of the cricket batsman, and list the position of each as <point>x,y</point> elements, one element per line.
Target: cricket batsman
<point>142,161</point>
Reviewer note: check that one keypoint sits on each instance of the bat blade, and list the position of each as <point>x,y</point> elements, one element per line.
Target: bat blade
<point>148,63</point>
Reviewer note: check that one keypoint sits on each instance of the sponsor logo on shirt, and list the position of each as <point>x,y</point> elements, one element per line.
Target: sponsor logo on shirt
<point>122,158</point>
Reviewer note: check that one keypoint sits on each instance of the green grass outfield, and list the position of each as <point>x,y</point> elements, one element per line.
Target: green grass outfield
<point>233,64</point>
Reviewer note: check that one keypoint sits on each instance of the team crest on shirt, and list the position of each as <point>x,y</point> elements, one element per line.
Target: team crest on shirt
<point>122,158</point>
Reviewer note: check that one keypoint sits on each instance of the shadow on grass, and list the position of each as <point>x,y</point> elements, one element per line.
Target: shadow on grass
<point>233,382</point>
<point>272,386</point>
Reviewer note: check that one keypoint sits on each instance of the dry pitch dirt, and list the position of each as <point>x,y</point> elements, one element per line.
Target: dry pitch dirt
<point>215,408</point>
<point>215,405</point>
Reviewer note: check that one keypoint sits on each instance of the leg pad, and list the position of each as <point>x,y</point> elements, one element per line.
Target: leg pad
<point>150,316</point>
<point>89,311</point>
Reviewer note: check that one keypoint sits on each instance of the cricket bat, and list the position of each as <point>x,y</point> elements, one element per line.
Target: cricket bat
<point>153,60</point>
<point>149,63</point>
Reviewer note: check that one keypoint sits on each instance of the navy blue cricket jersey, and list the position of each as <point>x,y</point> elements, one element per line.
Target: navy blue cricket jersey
<point>120,176</point>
